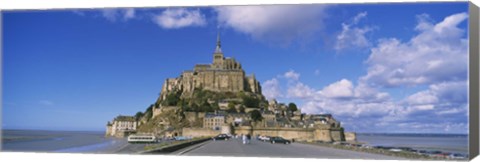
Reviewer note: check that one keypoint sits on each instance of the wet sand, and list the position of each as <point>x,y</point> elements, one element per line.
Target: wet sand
<point>59,141</point>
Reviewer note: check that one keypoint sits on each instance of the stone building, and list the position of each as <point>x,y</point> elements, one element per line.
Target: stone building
<point>224,74</point>
<point>121,126</point>
<point>272,105</point>
<point>213,121</point>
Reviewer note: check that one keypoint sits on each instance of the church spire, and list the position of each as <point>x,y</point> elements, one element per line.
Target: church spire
<point>218,49</point>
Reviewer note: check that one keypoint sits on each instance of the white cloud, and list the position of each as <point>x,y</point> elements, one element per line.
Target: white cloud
<point>118,14</point>
<point>271,89</point>
<point>274,23</point>
<point>300,90</point>
<point>433,106</point>
<point>341,98</point>
<point>351,108</point>
<point>419,127</point>
<point>451,111</point>
<point>365,92</point>
<point>129,14</point>
<point>432,58</point>
<point>437,54</point>
<point>359,16</point>
<point>353,36</point>
<point>455,92</point>
<point>291,74</point>
<point>444,98</point>
<point>442,105</point>
<point>340,89</point>
<point>179,18</point>
<point>422,97</point>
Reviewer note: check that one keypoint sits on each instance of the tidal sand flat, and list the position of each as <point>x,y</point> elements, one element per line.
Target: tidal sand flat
<point>59,141</point>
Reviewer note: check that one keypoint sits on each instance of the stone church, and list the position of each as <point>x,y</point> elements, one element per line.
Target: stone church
<point>223,75</point>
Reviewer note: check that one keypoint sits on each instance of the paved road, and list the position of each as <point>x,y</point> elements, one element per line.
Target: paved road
<point>133,148</point>
<point>256,148</point>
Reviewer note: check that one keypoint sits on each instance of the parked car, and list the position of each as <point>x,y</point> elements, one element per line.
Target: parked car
<point>264,138</point>
<point>182,138</point>
<point>221,137</point>
<point>457,156</point>
<point>279,140</point>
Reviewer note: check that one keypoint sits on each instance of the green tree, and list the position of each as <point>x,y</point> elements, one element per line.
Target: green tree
<point>256,115</point>
<point>240,94</point>
<point>206,107</point>
<point>231,108</point>
<point>215,106</point>
<point>138,115</point>
<point>181,103</point>
<point>263,104</point>
<point>149,112</point>
<point>172,99</point>
<point>194,107</point>
<point>241,109</point>
<point>231,105</point>
<point>292,107</point>
<point>250,101</point>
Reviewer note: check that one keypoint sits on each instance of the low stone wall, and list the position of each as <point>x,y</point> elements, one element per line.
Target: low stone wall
<point>350,136</point>
<point>337,134</point>
<point>199,132</point>
<point>297,134</point>
<point>172,148</point>
<point>324,135</point>
<point>242,130</point>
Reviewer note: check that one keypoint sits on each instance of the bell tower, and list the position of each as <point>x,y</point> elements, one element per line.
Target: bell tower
<point>218,54</point>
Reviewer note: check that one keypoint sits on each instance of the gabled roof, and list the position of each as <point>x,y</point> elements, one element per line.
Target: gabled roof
<point>124,118</point>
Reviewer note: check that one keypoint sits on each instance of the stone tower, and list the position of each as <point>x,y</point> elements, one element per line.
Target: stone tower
<point>218,54</point>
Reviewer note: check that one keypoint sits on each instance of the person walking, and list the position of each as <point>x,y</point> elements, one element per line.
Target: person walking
<point>248,138</point>
<point>244,139</point>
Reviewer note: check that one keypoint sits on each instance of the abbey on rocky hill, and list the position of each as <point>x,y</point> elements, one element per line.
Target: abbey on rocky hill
<point>223,75</point>
<point>219,98</point>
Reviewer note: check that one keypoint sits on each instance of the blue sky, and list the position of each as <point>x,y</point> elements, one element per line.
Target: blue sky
<point>398,68</point>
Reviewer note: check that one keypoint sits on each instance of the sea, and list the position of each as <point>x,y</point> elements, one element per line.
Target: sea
<point>59,141</point>
<point>452,143</point>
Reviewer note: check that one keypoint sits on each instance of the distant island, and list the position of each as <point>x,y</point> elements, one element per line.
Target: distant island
<point>219,98</point>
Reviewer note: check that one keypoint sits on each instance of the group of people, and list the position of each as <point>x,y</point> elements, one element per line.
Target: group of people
<point>246,138</point>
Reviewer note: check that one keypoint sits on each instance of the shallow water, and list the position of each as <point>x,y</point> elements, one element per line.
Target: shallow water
<point>446,143</point>
<point>59,141</point>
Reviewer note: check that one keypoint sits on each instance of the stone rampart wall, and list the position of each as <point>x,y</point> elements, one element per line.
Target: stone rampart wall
<point>350,136</point>
<point>199,132</point>
<point>297,134</point>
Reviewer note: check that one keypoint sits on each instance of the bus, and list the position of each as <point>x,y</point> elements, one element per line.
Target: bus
<point>135,138</point>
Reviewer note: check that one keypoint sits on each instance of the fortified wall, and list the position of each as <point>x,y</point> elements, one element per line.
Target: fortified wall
<point>324,134</point>
<point>350,136</point>
<point>298,134</point>
<point>199,132</point>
